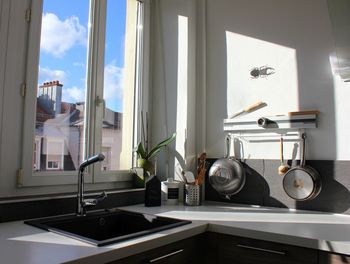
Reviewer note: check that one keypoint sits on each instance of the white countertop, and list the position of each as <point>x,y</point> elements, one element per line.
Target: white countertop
<point>20,243</point>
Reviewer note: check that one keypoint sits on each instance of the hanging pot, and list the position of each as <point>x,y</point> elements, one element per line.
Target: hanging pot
<point>302,182</point>
<point>227,175</point>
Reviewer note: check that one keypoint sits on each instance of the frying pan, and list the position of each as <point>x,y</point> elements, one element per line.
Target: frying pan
<point>302,182</point>
<point>227,175</point>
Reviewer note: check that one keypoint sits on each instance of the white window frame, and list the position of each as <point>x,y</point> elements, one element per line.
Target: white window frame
<point>37,146</point>
<point>93,110</point>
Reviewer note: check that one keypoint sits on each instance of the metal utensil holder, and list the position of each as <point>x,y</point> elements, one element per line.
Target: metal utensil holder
<point>192,195</point>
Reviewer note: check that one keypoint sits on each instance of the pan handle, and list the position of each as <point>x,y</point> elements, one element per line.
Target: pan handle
<point>303,149</point>
<point>228,145</point>
<point>229,139</point>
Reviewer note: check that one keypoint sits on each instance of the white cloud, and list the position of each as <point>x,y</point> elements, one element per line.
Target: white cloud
<point>113,82</point>
<point>48,75</point>
<point>79,64</point>
<point>73,94</point>
<point>58,36</point>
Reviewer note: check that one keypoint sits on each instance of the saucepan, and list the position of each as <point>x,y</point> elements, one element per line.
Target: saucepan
<point>302,182</point>
<point>227,175</point>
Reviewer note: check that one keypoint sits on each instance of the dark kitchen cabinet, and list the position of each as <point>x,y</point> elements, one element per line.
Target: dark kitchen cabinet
<point>331,258</point>
<point>183,251</point>
<point>212,248</point>
<point>240,250</point>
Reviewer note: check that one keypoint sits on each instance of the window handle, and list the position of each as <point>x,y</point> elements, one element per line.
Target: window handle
<point>165,256</point>
<point>262,249</point>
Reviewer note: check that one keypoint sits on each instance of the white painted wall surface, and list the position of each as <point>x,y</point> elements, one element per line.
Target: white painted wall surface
<point>294,37</point>
<point>174,83</point>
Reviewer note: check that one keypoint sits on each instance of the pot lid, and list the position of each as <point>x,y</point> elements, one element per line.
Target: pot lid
<point>298,184</point>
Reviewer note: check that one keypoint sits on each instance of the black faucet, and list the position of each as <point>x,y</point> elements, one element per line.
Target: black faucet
<point>82,203</point>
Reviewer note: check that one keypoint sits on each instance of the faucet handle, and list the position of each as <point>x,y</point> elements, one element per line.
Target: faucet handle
<point>94,201</point>
<point>101,197</point>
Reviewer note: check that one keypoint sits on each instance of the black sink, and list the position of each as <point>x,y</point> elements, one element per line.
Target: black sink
<point>106,227</point>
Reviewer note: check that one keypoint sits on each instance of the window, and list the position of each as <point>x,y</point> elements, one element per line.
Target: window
<point>81,95</point>
<point>53,165</point>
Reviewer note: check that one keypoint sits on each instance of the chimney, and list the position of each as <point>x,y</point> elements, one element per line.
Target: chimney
<point>53,91</point>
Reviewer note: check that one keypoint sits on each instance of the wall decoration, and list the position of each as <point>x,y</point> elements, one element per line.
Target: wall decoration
<point>261,72</point>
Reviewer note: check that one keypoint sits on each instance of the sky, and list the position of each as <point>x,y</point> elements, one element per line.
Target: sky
<point>63,49</point>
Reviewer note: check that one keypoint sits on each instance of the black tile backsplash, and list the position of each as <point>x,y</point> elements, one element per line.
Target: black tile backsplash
<point>11,211</point>
<point>264,187</point>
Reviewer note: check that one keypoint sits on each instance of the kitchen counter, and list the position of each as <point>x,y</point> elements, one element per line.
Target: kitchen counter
<point>20,243</point>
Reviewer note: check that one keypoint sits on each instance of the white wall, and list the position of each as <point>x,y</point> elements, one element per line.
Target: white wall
<point>174,82</point>
<point>293,36</point>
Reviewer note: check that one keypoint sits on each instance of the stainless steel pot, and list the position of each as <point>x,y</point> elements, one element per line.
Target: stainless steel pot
<point>302,182</point>
<point>227,175</point>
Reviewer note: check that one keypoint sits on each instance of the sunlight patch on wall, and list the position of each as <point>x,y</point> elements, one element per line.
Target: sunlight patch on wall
<point>258,70</point>
<point>275,80</point>
<point>182,90</point>
<point>342,110</point>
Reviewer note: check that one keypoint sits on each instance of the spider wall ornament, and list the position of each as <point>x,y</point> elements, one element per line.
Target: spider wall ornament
<point>261,72</point>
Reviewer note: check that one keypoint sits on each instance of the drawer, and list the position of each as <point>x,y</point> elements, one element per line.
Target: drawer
<point>184,251</point>
<point>239,250</point>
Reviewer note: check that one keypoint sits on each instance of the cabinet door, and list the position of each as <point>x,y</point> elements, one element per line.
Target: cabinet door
<point>239,250</point>
<point>330,258</point>
<point>183,251</point>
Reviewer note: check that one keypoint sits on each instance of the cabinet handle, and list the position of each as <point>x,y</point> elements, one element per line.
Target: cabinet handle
<point>262,249</point>
<point>165,256</point>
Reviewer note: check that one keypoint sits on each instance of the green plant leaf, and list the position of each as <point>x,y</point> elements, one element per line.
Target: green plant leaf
<point>141,151</point>
<point>159,147</point>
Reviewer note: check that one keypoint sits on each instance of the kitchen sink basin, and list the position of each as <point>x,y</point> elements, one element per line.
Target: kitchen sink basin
<point>106,227</point>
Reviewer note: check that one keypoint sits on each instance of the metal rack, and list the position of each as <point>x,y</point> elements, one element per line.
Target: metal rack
<point>277,124</point>
<point>267,136</point>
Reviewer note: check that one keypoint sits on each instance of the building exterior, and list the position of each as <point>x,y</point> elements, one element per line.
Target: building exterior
<point>59,132</point>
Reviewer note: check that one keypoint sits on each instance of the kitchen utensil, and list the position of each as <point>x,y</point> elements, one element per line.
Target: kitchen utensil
<point>192,194</point>
<point>189,176</point>
<point>283,168</point>
<point>249,109</point>
<point>227,175</point>
<point>302,182</point>
<point>304,112</point>
<point>201,169</point>
<point>182,176</point>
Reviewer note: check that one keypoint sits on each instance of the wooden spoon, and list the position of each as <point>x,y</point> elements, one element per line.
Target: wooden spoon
<point>283,168</point>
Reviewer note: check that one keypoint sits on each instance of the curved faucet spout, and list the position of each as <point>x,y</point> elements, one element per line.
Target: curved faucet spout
<point>81,203</point>
<point>91,160</point>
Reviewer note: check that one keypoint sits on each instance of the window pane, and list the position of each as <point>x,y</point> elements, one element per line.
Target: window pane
<point>62,86</point>
<point>117,93</point>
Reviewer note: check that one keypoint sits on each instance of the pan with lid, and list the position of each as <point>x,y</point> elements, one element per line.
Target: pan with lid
<point>302,182</point>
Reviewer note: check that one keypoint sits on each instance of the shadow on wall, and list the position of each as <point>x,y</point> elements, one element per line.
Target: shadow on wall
<point>335,195</point>
<point>256,190</point>
<point>264,187</point>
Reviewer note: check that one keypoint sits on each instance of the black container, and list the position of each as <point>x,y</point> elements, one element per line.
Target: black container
<point>153,192</point>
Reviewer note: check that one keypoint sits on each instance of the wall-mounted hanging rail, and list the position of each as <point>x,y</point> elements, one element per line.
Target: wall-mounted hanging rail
<point>270,123</point>
<point>269,136</point>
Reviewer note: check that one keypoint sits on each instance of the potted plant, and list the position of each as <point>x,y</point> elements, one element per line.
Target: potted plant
<point>145,157</point>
